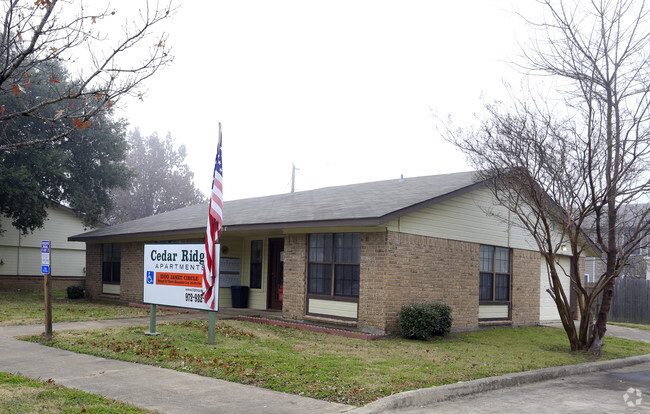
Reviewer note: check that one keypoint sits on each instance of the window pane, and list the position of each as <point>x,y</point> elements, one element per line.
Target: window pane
<point>111,263</point>
<point>111,252</point>
<point>320,248</point>
<point>320,279</point>
<point>485,286</point>
<point>256,264</point>
<point>487,259</point>
<point>346,280</point>
<point>502,287</point>
<point>106,272</point>
<point>502,260</point>
<point>348,247</point>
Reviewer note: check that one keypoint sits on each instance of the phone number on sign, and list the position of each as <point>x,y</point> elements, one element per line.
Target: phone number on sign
<point>194,297</point>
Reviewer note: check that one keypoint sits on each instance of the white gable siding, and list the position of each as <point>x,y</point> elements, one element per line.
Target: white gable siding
<point>547,308</point>
<point>22,253</point>
<point>466,218</point>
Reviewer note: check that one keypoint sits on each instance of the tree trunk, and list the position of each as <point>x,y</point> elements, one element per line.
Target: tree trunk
<point>598,333</point>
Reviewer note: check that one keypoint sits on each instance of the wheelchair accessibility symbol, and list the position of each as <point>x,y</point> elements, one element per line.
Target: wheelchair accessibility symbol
<point>150,278</point>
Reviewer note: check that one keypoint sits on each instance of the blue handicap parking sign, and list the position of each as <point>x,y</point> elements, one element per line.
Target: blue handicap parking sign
<point>45,269</point>
<point>149,278</point>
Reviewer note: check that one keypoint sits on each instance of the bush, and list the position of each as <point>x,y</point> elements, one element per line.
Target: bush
<point>75,292</point>
<point>424,320</point>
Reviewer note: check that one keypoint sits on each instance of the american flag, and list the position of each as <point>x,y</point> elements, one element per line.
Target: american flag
<point>213,231</point>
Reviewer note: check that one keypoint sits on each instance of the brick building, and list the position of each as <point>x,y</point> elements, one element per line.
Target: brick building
<point>352,255</point>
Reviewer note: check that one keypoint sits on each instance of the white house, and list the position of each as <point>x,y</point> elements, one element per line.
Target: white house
<point>20,254</point>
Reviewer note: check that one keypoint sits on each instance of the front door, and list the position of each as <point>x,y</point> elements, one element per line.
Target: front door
<point>275,282</point>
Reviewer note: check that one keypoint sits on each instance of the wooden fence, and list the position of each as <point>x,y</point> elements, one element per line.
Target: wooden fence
<point>631,302</point>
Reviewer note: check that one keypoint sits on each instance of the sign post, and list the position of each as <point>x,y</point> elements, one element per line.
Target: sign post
<point>47,287</point>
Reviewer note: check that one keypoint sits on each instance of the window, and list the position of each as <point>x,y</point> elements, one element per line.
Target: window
<point>111,258</point>
<point>256,264</point>
<point>494,276</point>
<point>334,264</point>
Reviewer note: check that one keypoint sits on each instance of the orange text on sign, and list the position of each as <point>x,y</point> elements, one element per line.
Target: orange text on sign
<point>178,279</point>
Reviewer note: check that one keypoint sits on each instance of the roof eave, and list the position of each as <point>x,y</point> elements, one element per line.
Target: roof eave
<point>135,236</point>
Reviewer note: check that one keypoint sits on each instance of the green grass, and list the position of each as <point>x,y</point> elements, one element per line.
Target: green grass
<point>24,395</point>
<point>334,368</point>
<point>20,308</point>
<point>631,325</point>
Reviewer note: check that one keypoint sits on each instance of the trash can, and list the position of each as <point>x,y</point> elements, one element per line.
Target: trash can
<point>239,296</point>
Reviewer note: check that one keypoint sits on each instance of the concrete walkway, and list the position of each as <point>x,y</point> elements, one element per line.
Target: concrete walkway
<point>153,388</point>
<point>170,391</point>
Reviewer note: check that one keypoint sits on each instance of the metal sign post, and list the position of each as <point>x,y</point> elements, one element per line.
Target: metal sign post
<point>47,286</point>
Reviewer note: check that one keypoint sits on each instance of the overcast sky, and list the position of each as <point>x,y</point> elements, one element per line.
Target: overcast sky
<point>343,89</point>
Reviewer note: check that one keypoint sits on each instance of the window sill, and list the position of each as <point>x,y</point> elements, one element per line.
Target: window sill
<point>353,299</point>
<point>501,322</point>
<point>330,319</point>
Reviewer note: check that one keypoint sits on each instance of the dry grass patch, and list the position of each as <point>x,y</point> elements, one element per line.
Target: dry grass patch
<point>26,396</point>
<point>28,307</point>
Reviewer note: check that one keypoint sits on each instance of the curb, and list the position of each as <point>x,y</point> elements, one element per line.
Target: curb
<point>426,396</point>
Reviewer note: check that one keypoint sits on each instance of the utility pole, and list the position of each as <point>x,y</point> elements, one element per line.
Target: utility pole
<point>293,177</point>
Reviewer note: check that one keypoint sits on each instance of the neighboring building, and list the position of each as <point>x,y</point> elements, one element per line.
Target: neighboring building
<point>352,255</point>
<point>20,254</point>
<point>638,261</point>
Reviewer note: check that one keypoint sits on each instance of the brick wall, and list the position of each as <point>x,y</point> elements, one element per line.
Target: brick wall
<point>525,287</point>
<point>131,272</point>
<point>37,282</point>
<point>396,268</point>
<point>93,270</point>
<point>295,276</point>
<point>372,281</point>
<point>427,269</point>
<point>399,268</point>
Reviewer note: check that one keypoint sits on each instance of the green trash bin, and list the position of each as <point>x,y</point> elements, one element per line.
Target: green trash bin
<point>239,296</point>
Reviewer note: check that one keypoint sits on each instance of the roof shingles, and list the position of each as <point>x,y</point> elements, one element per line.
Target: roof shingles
<point>368,203</point>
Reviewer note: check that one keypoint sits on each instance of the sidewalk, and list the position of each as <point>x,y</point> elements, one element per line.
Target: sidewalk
<point>153,388</point>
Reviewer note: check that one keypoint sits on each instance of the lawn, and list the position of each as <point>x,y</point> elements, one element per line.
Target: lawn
<point>21,308</point>
<point>334,368</point>
<point>24,395</point>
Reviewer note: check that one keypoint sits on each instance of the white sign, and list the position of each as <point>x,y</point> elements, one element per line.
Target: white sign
<point>173,275</point>
<point>45,256</point>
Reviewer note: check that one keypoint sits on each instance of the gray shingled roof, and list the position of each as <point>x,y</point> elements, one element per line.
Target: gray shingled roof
<point>355,205</point>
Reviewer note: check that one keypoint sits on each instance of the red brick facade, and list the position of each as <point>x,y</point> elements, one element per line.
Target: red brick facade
<point>295,271</point>
<point>399,268</point>
<point>395,269</point>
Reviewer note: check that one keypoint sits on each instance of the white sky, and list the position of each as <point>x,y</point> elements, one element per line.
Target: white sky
<point>343,89</point>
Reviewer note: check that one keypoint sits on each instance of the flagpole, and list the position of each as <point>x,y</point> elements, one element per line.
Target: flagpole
<point>212,315</point>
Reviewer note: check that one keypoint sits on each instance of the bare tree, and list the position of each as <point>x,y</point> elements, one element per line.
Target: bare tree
<point>577,164</point>
<point>109,56</point>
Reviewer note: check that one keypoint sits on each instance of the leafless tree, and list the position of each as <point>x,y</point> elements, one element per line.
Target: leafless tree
<point>109,56</point>
<point>575,162</point>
